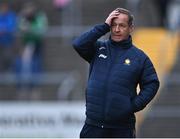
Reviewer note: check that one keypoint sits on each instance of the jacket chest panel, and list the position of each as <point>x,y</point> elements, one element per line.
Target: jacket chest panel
<point>126,69</point>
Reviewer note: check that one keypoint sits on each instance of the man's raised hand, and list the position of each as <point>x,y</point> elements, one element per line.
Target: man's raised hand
<point>111,16</point>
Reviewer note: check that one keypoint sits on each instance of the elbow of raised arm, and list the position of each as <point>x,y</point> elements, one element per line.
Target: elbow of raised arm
<point>75,44</point>
<point>79,44</point>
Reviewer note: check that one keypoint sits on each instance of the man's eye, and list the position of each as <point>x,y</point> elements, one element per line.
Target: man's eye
<point>123,26</point>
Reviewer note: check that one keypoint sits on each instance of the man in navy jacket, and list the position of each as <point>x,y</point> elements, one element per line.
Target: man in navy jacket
<point>116,68</point>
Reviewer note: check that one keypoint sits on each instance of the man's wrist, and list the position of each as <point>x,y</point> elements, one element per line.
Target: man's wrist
<point>107,27</point>
<point>107,24</point>
<point>102,28</point>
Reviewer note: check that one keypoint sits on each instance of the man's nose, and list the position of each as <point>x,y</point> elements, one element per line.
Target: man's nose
<point>117,29</point>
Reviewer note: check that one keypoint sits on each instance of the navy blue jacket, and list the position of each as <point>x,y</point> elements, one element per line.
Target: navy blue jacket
<point>116,68</point>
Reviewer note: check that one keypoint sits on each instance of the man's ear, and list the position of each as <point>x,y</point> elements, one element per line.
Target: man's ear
<point>131,29</point>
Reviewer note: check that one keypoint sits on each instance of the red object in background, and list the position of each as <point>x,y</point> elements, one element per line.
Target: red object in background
<point>61,3</point>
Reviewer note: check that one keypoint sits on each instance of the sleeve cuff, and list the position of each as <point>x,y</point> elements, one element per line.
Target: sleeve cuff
<point>107,26</point>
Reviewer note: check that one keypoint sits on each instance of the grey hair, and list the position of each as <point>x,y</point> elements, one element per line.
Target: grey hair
<point>128,13</point>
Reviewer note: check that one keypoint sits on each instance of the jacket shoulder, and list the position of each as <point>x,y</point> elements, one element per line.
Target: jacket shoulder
<point>140,54</point>
<point>100,44</point>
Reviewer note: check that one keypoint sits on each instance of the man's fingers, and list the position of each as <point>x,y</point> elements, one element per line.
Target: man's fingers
<point>115,13</point>
<point>112,15</point>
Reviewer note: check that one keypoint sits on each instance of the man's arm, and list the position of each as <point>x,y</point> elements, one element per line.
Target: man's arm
<point>85,44</point>
<point>149,85</point>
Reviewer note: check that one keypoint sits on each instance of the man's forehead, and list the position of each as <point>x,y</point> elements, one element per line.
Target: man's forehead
<point>121,18</point>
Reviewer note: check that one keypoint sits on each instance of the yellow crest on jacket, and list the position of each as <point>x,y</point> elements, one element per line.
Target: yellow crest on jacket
<point>127,61</point>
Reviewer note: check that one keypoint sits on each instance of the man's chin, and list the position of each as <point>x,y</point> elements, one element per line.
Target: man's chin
<point>117,39</point>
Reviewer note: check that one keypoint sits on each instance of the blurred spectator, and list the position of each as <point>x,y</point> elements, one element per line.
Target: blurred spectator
<point>64,10</point>
<point>134,6</point>
<point>60,4</point>
<point>32,24</point>
<point>7,36</point>
<point>162,7</point>
<point>173,15</point>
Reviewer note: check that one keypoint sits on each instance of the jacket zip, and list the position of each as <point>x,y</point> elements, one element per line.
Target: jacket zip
<point>107,79</point>
<point>112,61</point>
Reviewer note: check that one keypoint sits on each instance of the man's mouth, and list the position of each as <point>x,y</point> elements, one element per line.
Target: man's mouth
<point>117,35</point>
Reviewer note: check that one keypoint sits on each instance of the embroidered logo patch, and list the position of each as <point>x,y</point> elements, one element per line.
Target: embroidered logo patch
<point>103,56</point>
<point>101,48</point>
<point>127,61</point>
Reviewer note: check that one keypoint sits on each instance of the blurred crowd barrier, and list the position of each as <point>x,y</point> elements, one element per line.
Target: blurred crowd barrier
<point>41,120</point>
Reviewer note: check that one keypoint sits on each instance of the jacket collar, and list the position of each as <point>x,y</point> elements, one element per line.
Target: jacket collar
<point>125,44</point>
